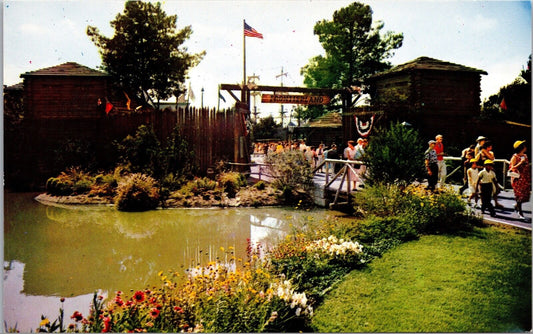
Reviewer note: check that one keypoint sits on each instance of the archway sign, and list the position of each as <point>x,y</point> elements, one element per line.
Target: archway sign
<point>307,96</point>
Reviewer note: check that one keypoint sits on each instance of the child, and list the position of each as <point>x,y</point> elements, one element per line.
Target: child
<point>472,176</point>
<point>486,182</point>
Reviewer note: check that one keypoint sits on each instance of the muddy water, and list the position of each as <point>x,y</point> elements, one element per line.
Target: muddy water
<point>72,251</point>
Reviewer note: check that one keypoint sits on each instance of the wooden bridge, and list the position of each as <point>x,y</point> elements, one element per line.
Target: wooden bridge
<point>332,178</point>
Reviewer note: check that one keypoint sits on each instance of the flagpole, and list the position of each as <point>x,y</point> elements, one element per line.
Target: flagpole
<point>243,93</point>
<point>218,105</point>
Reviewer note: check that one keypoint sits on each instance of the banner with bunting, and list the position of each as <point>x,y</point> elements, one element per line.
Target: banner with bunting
<point>364,127</point>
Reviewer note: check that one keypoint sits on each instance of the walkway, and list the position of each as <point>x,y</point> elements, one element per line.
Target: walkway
<point>505,216</point>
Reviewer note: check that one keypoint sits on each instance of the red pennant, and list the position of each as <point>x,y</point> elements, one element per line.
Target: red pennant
<point>108,107</point>
<point>503,105</point>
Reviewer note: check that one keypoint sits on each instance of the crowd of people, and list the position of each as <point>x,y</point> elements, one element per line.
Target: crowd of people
<point>316,155</point>
<point>479,176</point>
<point>477,159</point>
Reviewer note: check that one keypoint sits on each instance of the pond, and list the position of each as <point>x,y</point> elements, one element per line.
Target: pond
<point>72,251</point>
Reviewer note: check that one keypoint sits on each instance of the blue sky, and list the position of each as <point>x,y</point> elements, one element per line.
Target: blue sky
<point>491,35</point>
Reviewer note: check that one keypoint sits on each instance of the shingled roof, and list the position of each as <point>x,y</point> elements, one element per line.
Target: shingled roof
<point>330,120</point>
<point>427,63</point>
<point>67,69</point>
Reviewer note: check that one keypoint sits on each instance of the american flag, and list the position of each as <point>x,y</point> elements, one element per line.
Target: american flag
<point>251,32</point>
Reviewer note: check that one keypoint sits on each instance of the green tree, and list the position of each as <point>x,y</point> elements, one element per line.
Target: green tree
<point>354,49</point>
<point>517,96</point>
<point>266,128</point>
<point>145,55</point>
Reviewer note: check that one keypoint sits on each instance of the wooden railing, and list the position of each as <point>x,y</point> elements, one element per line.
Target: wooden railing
<point>505,167</point>
<point>343,174</point>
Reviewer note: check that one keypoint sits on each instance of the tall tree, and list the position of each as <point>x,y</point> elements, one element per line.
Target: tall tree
<point>354,49</point>
<point>145,55</point>
<point>517,97</point>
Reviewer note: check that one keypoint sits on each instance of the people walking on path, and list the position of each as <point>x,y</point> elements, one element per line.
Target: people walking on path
<point>485,185</point>
<point>484,154</point>
<point>466,157</point>
<point>331,154</point>
<point>439,148</point>
<point>430,158</point>
<point>520,171</point>
<point>472,175</point>
<point>320,156</point>
<point>480,142</point>
<point>349,154</point>
<point>359,154</point>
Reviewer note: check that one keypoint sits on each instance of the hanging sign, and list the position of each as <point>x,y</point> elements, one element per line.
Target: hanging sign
<point>295,99</point>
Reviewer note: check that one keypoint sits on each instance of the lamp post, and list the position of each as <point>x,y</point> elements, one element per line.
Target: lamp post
<point>290,129</point>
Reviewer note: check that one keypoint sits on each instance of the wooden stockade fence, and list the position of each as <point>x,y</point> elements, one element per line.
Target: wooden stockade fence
<point>211,134</point>
<point>30,154</point>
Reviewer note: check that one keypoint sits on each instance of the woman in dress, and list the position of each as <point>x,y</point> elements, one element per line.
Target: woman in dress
<point>521,183</point>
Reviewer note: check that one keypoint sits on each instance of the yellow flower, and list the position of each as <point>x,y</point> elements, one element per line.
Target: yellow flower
<point>44,322</point>
<point>222,248</point>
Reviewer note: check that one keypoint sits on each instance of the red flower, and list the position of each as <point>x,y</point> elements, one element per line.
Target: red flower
<point>107,325</point>
<point>154,313</point>
<point>77,316</point>
<point>119,301</point>
<point>178,309</point>
<point>139,296</point>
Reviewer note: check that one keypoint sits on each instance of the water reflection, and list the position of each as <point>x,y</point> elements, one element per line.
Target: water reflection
<point>69,251</point>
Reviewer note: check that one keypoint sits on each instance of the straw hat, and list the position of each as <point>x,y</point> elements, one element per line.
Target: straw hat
<point>518,143</point>
<point>489,162</point>
<point>480,138</point>
<point>473,160</point>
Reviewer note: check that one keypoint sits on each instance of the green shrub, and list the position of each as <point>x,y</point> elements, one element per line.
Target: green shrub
<point>292,175</point>
<point>57,186</point>
<point>375,229</point>
<point>198,186</point>
<point>261,185</point>
<point>141,153</point>
<point>137,192</point>
<point>410,211</point>
<point>395,155</point>
<point>231,182</point>
<point>72,181</point>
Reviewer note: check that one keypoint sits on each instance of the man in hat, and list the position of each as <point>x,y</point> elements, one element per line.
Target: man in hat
<point>480,142</point>
<point>430,158</point>
<point>486,183</point>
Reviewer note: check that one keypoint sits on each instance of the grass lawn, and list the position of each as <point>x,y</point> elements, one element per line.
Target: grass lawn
<point>479,282</point>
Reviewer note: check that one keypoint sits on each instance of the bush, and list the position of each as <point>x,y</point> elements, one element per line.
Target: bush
<point>292,175</point>
<point>395,156</point>
<point>261,185</point>
<point>58,186</point>
<point>376,229</point>
<point>403,213</point>
<point>231,182</point>
<point>198,186</point>
<point>137,192</point>
<point>72,181</point>
<point>141,153</point>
